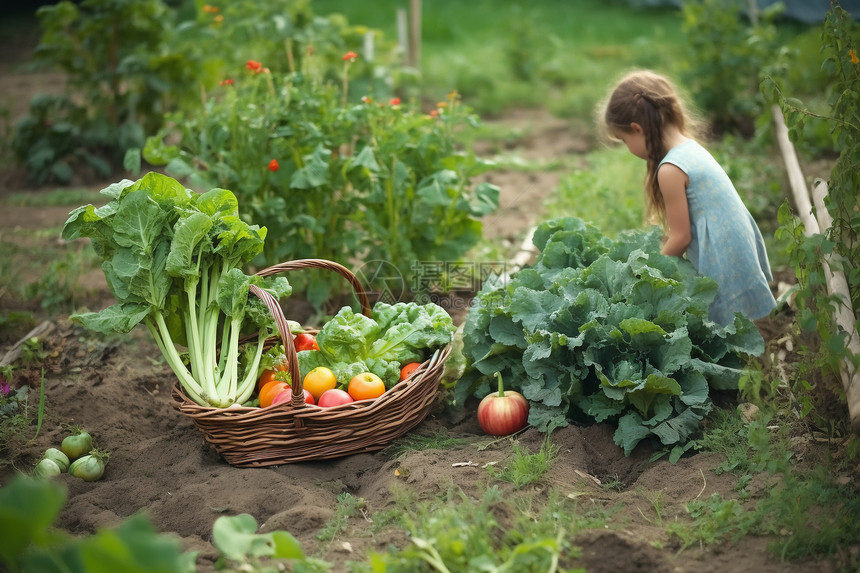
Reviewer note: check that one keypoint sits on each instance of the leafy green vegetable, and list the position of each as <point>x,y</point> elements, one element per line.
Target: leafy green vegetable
<point>28,510</point>
<point>173,260</point>
<point>395,334</point>
<point>606,331</point>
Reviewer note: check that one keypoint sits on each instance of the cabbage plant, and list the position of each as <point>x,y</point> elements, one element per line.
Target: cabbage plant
<point>602,330</point>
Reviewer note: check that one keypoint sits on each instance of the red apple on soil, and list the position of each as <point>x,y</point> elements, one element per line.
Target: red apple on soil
<point>504,412</point>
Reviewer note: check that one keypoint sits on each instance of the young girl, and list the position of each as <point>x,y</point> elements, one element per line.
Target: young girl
<point>692,195</point>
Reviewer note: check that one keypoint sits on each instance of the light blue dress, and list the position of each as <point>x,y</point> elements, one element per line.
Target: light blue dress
<point>726,243</point>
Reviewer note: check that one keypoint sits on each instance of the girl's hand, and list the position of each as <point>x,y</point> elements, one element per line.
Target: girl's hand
<point>673,185</point>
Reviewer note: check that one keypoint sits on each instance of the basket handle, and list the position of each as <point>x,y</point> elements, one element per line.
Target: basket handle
<point>326,265</point>
<point>298,398</point>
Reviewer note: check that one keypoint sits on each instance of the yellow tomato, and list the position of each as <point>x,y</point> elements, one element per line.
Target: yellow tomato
<point>318,381</point>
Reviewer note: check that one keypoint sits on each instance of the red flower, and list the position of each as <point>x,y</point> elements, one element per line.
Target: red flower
<point>854,59</point>
<point>273,165</point>
<point>434,113</point>
<point>395,101</point>
<point>227,82</point>
<point>350,57</point>
<point>254,66</point>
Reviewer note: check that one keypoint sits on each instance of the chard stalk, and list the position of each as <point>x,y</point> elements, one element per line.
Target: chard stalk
<point>192,332</point>
<point>246,388</point>
<point>230,374</point>
<point>209,322</point>
<point>191,318</point>
<point>165,344</point>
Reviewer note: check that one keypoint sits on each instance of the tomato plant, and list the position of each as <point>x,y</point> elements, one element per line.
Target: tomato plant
<point>319,380</point>
<point>334,397</point>
<point>504,412</point>
<point>366,385</point>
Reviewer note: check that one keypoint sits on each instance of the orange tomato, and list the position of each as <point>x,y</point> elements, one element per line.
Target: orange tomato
<point>272,374</point>
<point>269,391</point>
<point>408,369</point>
<point>366,385</point>
<point>318,381</point>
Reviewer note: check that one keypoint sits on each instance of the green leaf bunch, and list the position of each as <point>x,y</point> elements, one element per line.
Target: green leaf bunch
<point>392,336</point>
<point>174,261</point>
<point>602,330</point>
<point>28,509</point>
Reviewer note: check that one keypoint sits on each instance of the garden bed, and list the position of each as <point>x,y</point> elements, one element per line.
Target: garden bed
<point>119,390</point>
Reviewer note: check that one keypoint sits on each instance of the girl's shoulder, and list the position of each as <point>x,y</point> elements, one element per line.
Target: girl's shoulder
<point>689,149</point>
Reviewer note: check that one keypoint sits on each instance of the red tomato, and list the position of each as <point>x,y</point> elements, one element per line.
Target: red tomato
<point>504,412</point>
<point>334,397</point>
<point>305,341</point>
<point>408,369</point>
<point>286,395</point>
<point>366,385</point>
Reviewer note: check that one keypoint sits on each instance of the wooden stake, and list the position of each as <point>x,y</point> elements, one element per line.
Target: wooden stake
<point>403,36</point>
<point>796,180</point>
<point>837,287</point>
<point>415,35</point>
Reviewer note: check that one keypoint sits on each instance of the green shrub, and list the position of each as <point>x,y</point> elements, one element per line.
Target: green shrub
<point>725,56</point>
<point>370,181</point>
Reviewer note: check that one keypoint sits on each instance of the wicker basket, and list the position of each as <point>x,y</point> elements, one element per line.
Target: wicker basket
<point>295,431</point>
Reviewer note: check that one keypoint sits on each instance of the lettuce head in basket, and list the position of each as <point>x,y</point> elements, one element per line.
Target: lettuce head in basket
<point>394,334</point>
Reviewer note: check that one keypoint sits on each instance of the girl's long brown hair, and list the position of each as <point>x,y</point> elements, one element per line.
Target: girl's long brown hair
<point>652,101</point>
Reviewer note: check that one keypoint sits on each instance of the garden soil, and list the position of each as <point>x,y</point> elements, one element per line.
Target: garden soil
<point>160,464</point>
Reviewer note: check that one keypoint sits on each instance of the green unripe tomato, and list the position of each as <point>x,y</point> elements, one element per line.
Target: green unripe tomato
<point>77,444</point>
<point>89,467</point>
<point>46,469</point>
<point>58,457</point>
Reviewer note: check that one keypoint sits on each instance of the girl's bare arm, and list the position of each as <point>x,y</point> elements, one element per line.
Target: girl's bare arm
<point>673,185</point>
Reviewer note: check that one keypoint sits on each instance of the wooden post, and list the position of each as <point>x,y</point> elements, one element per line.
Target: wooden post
<point>415,35</point>
<point>796,181</point>
<point>837,287</point>
<point>403,36</point>
<point>369,47</point>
